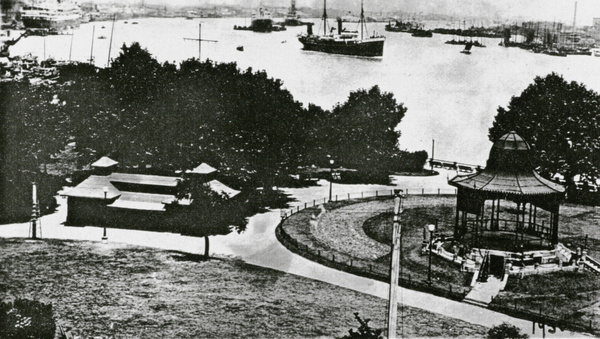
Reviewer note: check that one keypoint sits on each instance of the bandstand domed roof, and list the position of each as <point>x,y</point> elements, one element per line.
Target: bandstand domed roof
<point>509,170</point>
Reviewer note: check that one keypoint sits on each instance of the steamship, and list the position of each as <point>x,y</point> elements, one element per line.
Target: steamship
<point>50,14</point>
<point>344,42</point>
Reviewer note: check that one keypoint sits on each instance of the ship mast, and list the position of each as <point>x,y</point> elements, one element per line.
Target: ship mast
<point>324,17</point>
<point>574,20</point>
<point>362,19</point>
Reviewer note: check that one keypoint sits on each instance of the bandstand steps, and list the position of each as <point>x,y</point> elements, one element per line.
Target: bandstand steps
<point>483,292</point>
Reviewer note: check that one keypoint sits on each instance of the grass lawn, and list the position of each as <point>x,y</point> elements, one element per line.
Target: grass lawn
<point>151,293</point>
<point>574,295</point>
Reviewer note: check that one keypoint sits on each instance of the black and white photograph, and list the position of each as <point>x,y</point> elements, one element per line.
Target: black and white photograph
<point>299,169</point>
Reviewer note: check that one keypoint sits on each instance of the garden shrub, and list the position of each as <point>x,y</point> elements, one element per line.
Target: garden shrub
<point>26,319</point>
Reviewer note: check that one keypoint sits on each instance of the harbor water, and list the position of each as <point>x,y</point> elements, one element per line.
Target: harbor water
<point>450,97</point>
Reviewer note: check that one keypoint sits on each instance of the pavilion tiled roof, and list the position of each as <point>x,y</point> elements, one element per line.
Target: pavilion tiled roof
<point>509,171</point>
<point>93,188</point>
<point>518,183</point>
<point>144,179</point>
<point>142,201</point>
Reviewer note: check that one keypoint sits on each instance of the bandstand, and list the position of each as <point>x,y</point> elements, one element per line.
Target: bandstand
<point>532,212</point>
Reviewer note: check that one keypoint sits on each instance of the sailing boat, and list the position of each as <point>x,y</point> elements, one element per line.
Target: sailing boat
<point>467,49</point>
<point>344,42</point>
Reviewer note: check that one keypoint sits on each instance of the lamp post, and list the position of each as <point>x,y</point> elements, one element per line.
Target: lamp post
<point>431,228</point>
<point>330,179</point>
<point>395,265</point>
<point>104,237</point>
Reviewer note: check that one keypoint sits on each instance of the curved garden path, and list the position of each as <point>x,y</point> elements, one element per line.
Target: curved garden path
<point>259,246</point>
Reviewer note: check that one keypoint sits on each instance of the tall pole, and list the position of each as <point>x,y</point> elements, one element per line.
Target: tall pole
<point>331,178</point>
<point>92,49</point>
<point>574,18</point>
<point>199,42</point>
<point>34,215</point>
<point>430,246</point>
<point>395,266</point>
<point>104,237</point>
<point>432,152</point>
<point>71,46</point>
<point>110,43</point>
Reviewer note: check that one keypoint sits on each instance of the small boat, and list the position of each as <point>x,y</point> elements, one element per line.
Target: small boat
<point>240,48</point>
<point>125,22</point>
<point>134,23</point>
<point>467,49</point>
<point>103,27</point>
<point>102,37</point>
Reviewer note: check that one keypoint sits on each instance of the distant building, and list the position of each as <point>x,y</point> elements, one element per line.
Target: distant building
<point>134,201</point>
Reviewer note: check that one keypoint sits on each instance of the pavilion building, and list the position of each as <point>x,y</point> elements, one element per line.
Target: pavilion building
<point>509,176</point>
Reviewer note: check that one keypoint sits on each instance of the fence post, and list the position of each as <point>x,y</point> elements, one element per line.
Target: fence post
<point>362,194</point>
<point>407,191</point>
<point>336,197</point>
<point>376,193</point>
<point>423,191</point>
<point>333,257</point>
<point>304,205</point>
<point>314,203</point>
<point>298,208</point>
<point>350,262</point>
<point>438,191</point>
<point>370,268</point>
<point>348,196</point>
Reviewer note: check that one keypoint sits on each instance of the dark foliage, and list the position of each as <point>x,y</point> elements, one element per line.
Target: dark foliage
<point>26,319</point>
<point>156,116</point>
<point>364,330</point>
<point>561,123</point>
<point>506,331</point>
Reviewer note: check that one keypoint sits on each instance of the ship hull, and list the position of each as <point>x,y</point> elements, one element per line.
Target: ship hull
<point>50,24</point>
<point>366,48</point>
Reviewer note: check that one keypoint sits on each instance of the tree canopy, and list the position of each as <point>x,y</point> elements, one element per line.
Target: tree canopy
<point>561,122</point>
<point>172,117</point>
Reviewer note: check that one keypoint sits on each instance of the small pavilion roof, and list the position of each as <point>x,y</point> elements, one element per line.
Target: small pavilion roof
<point>144,179</point>
<point>220,187</point>
<point>142,201</point>
<point>105,162</point>
<point>203,168</point>
<point>93,188</point>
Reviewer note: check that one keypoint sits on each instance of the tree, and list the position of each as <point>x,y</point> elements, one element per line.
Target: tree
<point>362,132</point>
<point>364,330</point>
<point>209,213</point>
<point>561,122</point>
<point>506,331</point>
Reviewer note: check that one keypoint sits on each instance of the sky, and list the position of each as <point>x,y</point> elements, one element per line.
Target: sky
<point>550,10</point>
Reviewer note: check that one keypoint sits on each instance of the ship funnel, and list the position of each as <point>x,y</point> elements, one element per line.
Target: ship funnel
<point>309,30</point>
<point>339,22</point>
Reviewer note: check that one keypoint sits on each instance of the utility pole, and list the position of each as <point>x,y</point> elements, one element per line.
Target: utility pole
<point>92,49</point>
<point>199,39</point>
<point>395,265</point>
<point>110,43</point>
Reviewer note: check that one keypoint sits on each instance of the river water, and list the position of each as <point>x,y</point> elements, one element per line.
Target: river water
<point>451,97</point>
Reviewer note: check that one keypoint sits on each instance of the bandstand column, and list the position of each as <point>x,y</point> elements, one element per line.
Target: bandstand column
<point>555,227</point>
<point>492,216</point>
